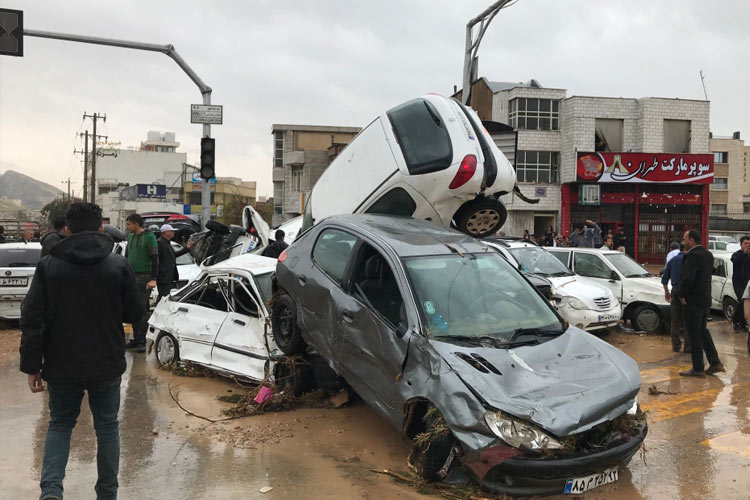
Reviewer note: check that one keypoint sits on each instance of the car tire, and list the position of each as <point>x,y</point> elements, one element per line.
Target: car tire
<point>286,333</point>
<point>729,307</point>
<point>166,350</point>
<point>646,318</point>
<point>217,227</point>
<point>481,217</point>
<point>294,376</point>
<point>432,456</point>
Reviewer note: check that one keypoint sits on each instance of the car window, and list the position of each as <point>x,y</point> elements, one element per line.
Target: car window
<point>264,282</point>
<point>331,252</point>
<point>211,293</point>
<point>720,269</point>
<point>422,135</point>
<point>591,265</point>
<point>395,202</point>
<point>562,257</point>
<point>626,265</point>
<point>539,261</point>
<point>19,257</point>
<point>240,296</point>
<point>375,285</point>
<point>721,245</point>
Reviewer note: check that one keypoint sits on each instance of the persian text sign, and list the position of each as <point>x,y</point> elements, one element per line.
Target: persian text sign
<point>645,167</point>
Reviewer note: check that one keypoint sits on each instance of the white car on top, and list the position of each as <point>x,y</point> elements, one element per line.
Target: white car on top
<point>17,265</point>
<point>580,301</point>
<point>640,293</point>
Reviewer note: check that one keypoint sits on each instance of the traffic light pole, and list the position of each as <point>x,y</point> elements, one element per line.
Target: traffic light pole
<point>169,51</point>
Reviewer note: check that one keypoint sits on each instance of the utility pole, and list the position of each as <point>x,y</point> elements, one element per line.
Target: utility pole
<point>85,154</point>
<point>68,183</point>
<point>95,117</point>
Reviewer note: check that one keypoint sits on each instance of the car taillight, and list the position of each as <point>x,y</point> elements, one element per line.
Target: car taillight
<point>283,256</point>
<point>465,171</point>
<point>175,217</point>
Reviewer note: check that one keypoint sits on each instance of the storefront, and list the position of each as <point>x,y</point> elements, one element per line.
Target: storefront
<point>653,197</point>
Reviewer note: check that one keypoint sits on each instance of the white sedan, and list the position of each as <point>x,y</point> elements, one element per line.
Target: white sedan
<point>220,320</point>
<point>17,266</point>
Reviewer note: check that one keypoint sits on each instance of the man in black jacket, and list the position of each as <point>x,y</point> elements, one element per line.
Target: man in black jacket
<point>167,273</point>
<point>274,249</point>
<point>694,293</point>
<point>53,237</point>
<point>740,278</point>
<point>72,337</point>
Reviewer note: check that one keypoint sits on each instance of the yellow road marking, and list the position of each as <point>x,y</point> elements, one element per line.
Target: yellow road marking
<point>662,374</point>
<point>672,406</point>
<point>734,442</point>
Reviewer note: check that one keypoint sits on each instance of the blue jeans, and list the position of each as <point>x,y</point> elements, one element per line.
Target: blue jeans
<point>64,408</point>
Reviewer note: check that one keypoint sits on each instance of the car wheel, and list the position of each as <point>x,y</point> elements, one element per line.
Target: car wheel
<point>286,333</point>
<point>647,319</point>
<point>167,351</point>
<point>430,454</point>
<point>729,307</point>
<point>481,217</point>
<point>294,376</point>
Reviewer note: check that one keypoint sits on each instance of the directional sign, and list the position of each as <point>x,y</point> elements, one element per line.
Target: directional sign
<point>11,32</point>
<point>206,114</point>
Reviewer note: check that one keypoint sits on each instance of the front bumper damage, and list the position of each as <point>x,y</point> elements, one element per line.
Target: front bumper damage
<point>590,319</point>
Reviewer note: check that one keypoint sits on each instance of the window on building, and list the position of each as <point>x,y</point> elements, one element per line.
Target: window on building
<point>720,183</point>
<point>746,208</point>
<point>589,194</point>
<point>278,149</point>
<point>721,157</point>
<point>676,136</point>
<point>537,166</point>
<point>608,135</point>
<point>718,209</point>
<point>278,197</point>
<point>297,179</point>
<point>528,113</point>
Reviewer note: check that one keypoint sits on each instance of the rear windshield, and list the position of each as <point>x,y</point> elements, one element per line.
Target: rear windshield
<point>422,135</point>
<point>19,257</point>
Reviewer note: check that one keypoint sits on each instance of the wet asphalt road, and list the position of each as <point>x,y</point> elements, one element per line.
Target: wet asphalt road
<point>698,446</point>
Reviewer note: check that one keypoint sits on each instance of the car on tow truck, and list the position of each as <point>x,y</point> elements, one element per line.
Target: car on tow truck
<point>453,346</point>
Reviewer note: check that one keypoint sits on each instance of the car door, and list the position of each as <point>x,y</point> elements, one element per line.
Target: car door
<point>240,346</point>
<point>371,324</point>
<point>197,317</point>
<point>594,266</point>
<point>718,281</point>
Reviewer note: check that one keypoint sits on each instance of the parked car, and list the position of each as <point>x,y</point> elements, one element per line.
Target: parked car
<point>219,320</point>
<point>449,342</point>
<point>719,237</point>
<point>640,293</point>
<point>723,246</point>
<point>429,158</point>
<point>184,224</point>
<point>580,301</point>
<point>723,297</point>
<point>17,265</point>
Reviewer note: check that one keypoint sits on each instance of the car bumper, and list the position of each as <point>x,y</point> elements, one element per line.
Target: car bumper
<point>10,308</point>
<point>589,319</point>
<point>526,476</point>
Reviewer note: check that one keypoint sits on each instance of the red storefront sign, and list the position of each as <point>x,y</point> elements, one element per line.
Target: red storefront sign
<point>645,167</point>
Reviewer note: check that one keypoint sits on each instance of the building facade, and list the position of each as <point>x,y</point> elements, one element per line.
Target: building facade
<point>228,196</point>
<point>556,133</point>
<point>730,191</point>
<point>301,154</point>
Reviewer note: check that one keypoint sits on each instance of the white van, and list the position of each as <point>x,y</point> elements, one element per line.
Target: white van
<point>429,158</point>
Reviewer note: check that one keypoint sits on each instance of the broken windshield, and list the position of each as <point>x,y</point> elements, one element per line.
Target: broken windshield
<point>475,297</point>
<point>537,261</point>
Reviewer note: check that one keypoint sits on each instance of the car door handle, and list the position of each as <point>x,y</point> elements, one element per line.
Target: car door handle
<point>348,316</point>
<point>302,279</point>
<point>182,309</point>
<point>239,322</point>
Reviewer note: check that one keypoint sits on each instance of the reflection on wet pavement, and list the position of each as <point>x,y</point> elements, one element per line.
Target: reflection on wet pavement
<point>697,448</point>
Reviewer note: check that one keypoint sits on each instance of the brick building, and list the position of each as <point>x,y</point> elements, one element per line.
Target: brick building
<point>730,191</point>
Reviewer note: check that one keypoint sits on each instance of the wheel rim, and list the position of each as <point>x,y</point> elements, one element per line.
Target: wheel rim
<point>165,351</point>
<point>729,311</point>
<point>648,320</point>
<point>483,221</point>
<point>285,324</point>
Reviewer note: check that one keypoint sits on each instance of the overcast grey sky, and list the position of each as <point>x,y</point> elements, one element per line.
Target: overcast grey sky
<point>340,63</point>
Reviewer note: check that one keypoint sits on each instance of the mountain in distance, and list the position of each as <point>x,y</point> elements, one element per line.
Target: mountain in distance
<point>33,194</point>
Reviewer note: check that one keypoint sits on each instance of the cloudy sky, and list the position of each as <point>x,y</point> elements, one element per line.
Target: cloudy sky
<point>337,62</point>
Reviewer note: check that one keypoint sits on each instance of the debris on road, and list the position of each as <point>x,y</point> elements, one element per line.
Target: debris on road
<point>265,489</point>
<point>655,391</point>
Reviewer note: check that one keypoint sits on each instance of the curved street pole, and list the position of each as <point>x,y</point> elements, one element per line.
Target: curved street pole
<point>472,46</point>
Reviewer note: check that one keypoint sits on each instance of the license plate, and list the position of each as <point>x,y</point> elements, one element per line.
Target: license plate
<point>607,317</point>
<point>14,281</point>
<point>576,485</point>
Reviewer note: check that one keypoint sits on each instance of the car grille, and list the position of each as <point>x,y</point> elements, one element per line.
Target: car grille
<point>602,303</point>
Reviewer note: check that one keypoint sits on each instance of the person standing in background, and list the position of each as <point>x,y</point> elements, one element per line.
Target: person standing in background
<point>142,252</point>
<point>740,278</point>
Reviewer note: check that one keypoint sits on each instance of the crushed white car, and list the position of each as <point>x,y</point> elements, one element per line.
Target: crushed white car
<point>723,297</point>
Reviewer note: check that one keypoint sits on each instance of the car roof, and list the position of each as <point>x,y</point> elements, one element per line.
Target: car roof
<point>255,264</point>
<point>411,237</point>
<point>33,244</point>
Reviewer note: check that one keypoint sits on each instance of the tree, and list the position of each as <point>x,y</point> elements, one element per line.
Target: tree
<point>54,209</point>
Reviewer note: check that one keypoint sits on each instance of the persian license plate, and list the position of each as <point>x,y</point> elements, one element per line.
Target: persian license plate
<point>607,317</point>
<point>576,485</point>
<point>14,281</point>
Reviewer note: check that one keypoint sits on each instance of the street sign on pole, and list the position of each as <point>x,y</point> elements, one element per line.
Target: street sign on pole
<point>206,114</point>
<point>11,32</point>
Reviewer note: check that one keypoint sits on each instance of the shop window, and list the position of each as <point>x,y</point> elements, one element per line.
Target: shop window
<point>676,136</point>
<point>721,157</point>
<point>608,135</point>
<point>720,184</point>
<point>528,113</point>
<point>297,179</point>
<point>589,194</point>
<point>718,209</point>
<point>537,166</point>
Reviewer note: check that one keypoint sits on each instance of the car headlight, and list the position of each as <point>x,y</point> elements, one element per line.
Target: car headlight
<point>576,303</point>
<point>633,409</point>
<point>519,434</point>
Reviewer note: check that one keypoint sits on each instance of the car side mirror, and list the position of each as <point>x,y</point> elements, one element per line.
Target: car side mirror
<point>613,276</point>
<point>401,329</point>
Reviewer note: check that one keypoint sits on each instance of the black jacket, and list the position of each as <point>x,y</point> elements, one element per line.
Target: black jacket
<point>740,270</point>
<point>49,240</point>
<point>275,249</point>
<point>695,277</point>
<point>167,273</point>
<point>71,319</point>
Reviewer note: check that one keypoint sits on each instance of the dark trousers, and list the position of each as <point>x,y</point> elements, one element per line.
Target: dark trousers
<point>64,408</point>
<point>140,326</point>
<point>677,325</point>
<point>700,338</point>
<point>163,289</point>
<point>739,315</point>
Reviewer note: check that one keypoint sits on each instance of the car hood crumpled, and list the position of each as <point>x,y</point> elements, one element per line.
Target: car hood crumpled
<point>566,385</point>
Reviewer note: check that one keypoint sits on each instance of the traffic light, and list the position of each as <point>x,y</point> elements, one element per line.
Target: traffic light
<point>208,167</point>
<point>11,32</point>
